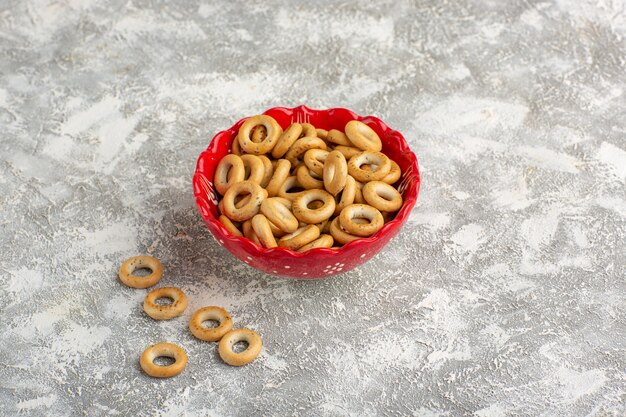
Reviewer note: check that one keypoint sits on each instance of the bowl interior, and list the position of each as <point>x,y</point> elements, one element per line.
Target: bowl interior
<point>394,146</point>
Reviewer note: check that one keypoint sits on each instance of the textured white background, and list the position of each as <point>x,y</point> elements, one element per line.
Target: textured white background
<point>503,295</point>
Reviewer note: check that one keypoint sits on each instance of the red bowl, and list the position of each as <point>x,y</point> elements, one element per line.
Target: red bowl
<point>315,263</point>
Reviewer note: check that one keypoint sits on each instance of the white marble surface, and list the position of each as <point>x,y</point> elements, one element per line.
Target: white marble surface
<point>503,295</point>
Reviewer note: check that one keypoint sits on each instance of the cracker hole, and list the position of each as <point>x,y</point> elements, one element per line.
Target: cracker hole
<point>229,174</point>
<point>142,272</point>
<point>240,346</point>
<point>239,200</point>
<point>210,324</point>
<point>164,301</point>
<point>315,204</point>
<point>164,361</point>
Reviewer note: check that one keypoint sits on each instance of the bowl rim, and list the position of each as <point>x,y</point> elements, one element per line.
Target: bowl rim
<point>409,199</point>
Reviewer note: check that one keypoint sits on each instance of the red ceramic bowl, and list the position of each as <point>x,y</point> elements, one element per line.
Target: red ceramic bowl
<point>315,263</point>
